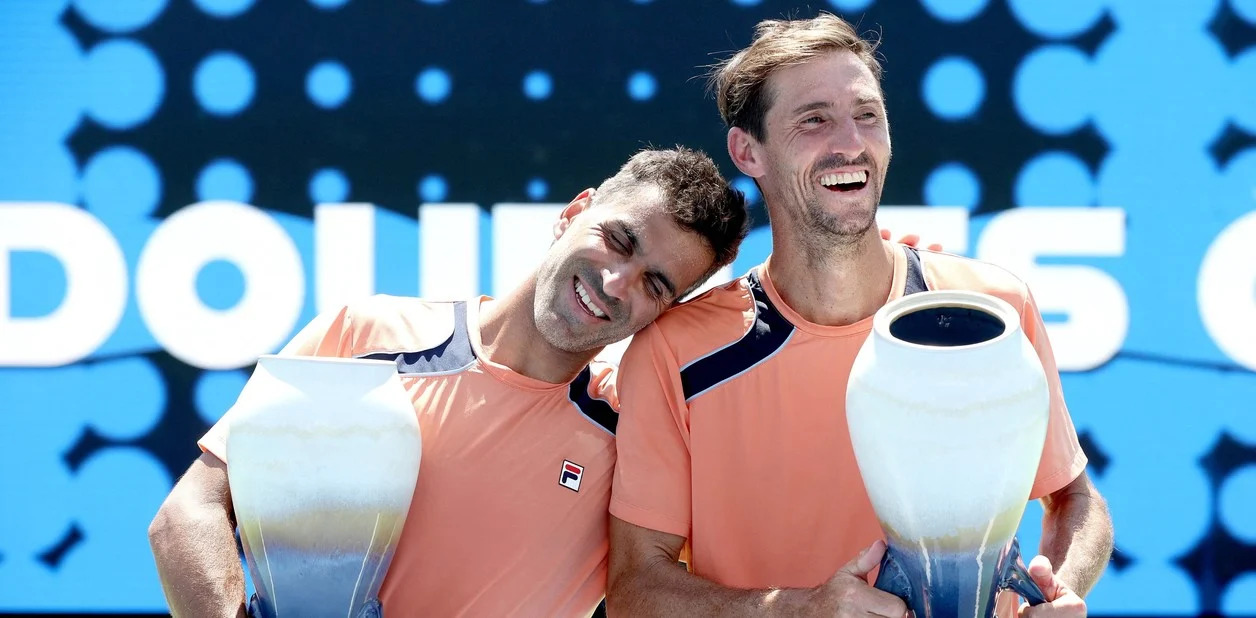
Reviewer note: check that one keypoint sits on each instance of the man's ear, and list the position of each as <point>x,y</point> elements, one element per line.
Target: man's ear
<point>744,150</point>
<point>577,205</point>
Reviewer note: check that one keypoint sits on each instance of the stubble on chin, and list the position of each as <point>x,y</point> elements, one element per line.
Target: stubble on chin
<point>840,227</point>
<point>565,332</point>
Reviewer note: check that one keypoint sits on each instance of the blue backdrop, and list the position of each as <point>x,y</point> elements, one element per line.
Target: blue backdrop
<point>163,163</point>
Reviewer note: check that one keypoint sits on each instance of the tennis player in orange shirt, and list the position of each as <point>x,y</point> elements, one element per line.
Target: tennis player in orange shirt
<point>733,445</point>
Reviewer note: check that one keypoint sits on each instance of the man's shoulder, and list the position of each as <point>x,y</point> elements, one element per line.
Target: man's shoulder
<point>387,306</point>
<point>386,323</point>
<point>707,322</point>
<point>947,271</point>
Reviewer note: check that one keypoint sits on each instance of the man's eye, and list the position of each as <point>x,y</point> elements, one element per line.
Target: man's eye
<point>867,116</point>
<point>813,120</point>
<point>616,245</point>
<point>657,290</point>
<point>622,246</point>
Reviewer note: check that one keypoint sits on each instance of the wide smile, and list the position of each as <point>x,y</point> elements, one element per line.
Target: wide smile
<point>587,302</point>
<point>844,181</point>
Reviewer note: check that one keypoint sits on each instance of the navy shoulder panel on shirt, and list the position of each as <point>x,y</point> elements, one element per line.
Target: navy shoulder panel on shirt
<point>450,356</point>
<point>915,273</point>
<point>766,337</point>
<point>596,410</point>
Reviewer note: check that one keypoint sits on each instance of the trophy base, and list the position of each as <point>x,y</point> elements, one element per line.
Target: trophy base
<point>304,583</point>
<point>942,584</point>
<point>372,609</point>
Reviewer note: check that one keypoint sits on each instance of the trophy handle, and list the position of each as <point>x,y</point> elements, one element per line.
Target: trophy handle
<point>893,579</point>
<point>372,609</point>
<point>255,608</point>
<point>1017,578</point>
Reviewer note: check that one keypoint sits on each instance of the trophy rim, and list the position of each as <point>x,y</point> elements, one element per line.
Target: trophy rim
<point>928,299</point>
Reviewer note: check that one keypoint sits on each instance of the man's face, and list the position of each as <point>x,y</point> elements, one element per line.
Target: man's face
<point>826,146</point>
<point>614,267</point>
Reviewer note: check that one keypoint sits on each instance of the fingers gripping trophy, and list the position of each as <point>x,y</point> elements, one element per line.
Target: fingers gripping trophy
<point>323,461</point>
<point>947,406</point>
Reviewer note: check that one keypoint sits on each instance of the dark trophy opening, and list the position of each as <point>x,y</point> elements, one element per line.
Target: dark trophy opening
<point>947,326</point>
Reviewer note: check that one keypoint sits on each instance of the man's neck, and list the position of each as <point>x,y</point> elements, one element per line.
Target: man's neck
<point>833,287</point>
<point>508,336</point>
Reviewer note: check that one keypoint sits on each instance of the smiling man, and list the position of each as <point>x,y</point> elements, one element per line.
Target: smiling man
<point>509,516</point>
<point>733,441</point>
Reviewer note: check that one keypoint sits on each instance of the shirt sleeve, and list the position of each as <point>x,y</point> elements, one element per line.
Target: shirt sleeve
<point>1062,457</point>
<point>326,335</point>
<point>652,479</point>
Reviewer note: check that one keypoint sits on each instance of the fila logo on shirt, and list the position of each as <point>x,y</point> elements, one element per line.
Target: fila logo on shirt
<point>571,475</point>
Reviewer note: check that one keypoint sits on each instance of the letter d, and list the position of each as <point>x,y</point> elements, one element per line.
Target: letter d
<point>95,284</point>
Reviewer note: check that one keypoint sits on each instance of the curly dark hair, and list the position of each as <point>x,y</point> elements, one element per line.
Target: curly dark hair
<point>695,194</point>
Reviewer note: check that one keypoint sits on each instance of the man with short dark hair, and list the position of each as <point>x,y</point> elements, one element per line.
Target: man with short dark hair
<point>507,395</point>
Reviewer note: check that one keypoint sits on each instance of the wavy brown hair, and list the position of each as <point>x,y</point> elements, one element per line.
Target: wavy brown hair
<point>740,82</point>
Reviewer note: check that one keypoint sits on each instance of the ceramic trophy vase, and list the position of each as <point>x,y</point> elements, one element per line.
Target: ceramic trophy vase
<point>323,456</point>
<point>947,406</point>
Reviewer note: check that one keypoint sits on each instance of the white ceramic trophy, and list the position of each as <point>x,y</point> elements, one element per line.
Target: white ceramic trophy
<point>947,406</point>
<point>322,455</point>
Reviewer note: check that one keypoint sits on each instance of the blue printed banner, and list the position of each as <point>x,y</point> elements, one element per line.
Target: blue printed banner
<point>185,184</point>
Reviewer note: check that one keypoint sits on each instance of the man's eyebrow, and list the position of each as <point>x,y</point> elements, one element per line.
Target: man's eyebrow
<point>812,106</point>
<point>860,100</point>
<point>868,99</point>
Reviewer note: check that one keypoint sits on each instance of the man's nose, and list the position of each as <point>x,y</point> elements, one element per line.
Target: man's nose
<point>619,279</point>
<point>845,139</point>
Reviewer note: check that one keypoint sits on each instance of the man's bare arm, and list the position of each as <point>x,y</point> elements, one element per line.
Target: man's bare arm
<point>645,580</point>
<point>193,540</point>
<point>1077,534</point>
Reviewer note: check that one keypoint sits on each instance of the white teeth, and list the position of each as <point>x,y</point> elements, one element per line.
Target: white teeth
<point>843,178</point>
<point>587,301</point>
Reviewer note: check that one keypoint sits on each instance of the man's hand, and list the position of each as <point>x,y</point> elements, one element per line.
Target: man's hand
<point>911,240</point>
<point>848,593</point>
<point>1061,601</point>
<point>643,580</point>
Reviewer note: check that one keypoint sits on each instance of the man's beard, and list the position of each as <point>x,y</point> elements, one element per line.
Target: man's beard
<point>824,231</point>
<point>557,328</point>
<point>564,330</point>
<point>842,228</point>
<point>827,230</point>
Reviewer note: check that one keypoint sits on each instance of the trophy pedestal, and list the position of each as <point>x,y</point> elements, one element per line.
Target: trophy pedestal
<point>371,609</point>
